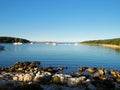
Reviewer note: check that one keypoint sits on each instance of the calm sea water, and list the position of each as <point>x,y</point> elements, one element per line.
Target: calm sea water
<point>61,55</point>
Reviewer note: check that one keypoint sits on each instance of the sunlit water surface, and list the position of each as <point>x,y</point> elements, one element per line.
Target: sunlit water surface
<point>70,56</point>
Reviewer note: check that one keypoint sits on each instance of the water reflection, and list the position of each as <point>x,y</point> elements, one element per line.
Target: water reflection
<point>1,48</point>
<point>61,54</point>
<point>114,49</point>
<point>109,48</point>
<point>17,48</point>
<point>117,50</point>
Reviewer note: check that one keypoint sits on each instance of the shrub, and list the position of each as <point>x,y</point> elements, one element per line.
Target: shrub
<point>56,80</point>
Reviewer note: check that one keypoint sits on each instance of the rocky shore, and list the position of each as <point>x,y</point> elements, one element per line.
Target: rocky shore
<point>32,76</point>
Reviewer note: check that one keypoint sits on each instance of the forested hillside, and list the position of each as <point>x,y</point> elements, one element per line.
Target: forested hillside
<point>115,41</point>
<point>12,40</point>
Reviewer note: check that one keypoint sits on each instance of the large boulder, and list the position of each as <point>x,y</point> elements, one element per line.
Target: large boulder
<point>76,81</point>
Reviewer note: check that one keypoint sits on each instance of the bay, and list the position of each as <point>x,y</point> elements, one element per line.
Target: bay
<point>61,55</point>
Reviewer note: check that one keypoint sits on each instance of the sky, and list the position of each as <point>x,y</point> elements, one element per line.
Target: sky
<point>60,20</point>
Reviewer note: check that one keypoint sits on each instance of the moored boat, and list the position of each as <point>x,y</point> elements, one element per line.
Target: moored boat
<point>54,44</point>
<point>17,43</point>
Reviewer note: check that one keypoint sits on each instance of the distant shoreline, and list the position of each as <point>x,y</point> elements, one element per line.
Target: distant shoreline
<point>105,45</point>
<point>111,43</point>
<point>110,46</point>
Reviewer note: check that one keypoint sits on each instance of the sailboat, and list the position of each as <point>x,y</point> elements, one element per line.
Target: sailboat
<point>54,44</point>
<point>17,43</point>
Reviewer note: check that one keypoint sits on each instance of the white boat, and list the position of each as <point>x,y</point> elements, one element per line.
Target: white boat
<point>17,43</point>
<point>31,43</point>
<point>54,44</point>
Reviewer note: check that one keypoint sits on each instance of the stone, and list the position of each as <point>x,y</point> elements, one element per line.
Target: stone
<point>20,77</point>
<point>102,71</point>
<point>75,81</point>
<point>3,82</point>
<point>118,74</point>
<point>60,68</point>
<point>47,73</point>
<point>42,79</point>
<point>91,87</point>
<point>103,77</point>
<point>15,78</point>
<point>86,81</point>
<point>38,73</point>
<point>36,69</point>
<point>113,73</point>
<point>117,86</point>
<point>32,74</point>
<point>91,70</point>
<point>118,80</point>
<point>42,76</point>
<point>86,78</point>
<point>96,74</point>
<point>36,79</point>
<point>1,76</point>
<point>33,64</point>
<point>49,70</point>
<point>75,74</point>
<point>20,69</point>
<point>81,69</point>
<point>27,78</point>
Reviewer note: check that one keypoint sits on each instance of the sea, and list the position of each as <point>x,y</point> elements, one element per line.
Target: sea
<point>61,55</point>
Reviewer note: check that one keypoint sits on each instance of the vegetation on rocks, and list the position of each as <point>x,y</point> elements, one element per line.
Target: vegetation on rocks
<point>56,80</point>
<point>12,40</point>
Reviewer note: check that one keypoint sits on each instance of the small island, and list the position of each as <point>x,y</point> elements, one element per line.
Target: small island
<point>5,39</point>
<point>112,43</point>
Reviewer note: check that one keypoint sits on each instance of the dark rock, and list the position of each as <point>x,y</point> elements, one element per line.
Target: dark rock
<point>22,87</point>
<point>103,84</point>
<point>118,80</point>
<point>75,74</point>
<point>102,71</point>
<point>91,70</point>
<point>2,69</point>
<point>50,69</point>
<point>60,68</point>
<point>81,69</point>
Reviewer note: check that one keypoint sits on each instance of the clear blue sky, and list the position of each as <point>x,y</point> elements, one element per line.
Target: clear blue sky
<point>60,20</point>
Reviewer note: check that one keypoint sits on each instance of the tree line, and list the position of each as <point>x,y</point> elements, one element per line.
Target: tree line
<point>12,40</point>
<point>115,41</point>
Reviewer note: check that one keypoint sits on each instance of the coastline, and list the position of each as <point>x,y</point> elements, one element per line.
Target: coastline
<point>105,45</point>
<point>110,46</point>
